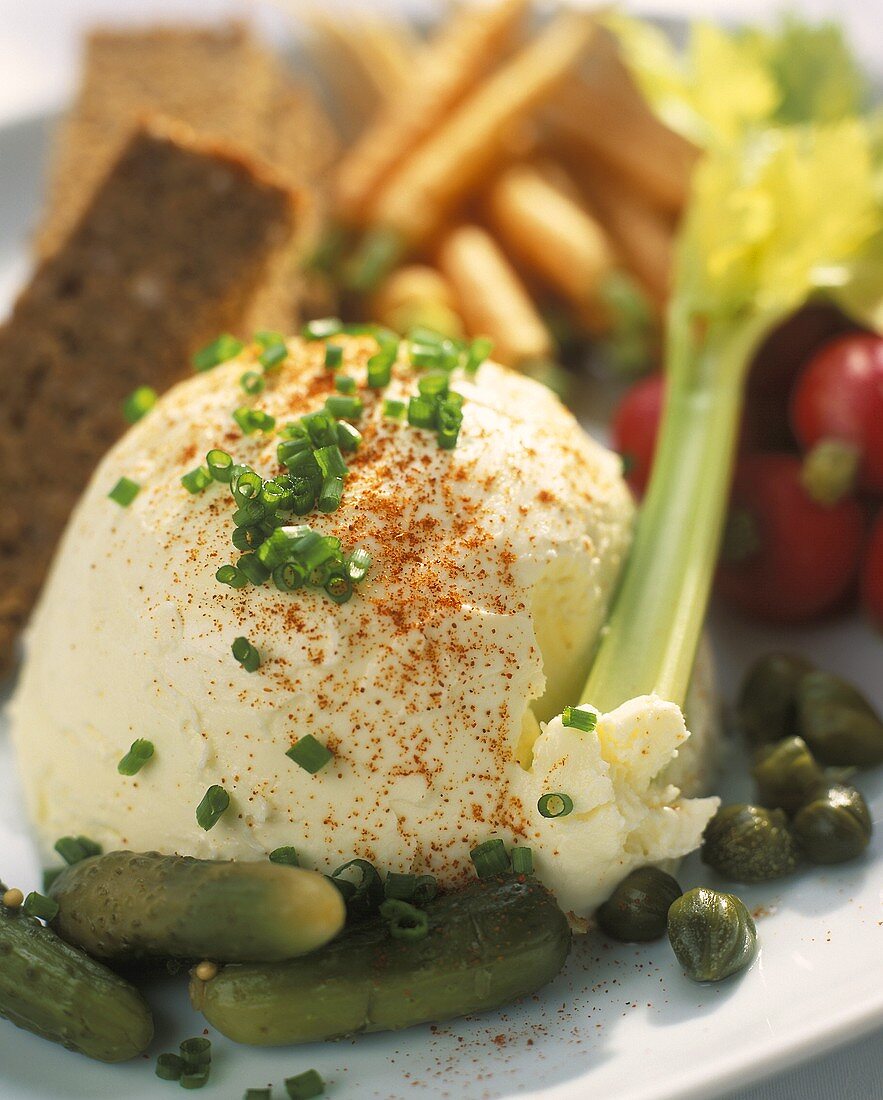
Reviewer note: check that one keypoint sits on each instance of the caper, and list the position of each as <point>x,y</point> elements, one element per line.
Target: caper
<point>637,910</point>
<point>767,702</point>
<point>834,825</point>
<point>749,844</point>
<point>786,774</point>
<point>837,721</point>
<point>711,933</point>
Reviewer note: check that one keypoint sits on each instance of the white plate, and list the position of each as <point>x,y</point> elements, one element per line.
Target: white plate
<point>620,1021</point>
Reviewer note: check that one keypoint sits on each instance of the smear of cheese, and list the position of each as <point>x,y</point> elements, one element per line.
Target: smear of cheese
<point>494,564</point>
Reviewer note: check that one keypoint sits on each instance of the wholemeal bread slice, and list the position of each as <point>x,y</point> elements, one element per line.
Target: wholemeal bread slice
<point>172,249</point>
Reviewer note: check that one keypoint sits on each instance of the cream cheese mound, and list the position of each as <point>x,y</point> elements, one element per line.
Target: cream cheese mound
<point>493,566</point>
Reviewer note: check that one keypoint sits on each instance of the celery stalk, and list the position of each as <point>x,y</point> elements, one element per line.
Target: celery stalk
<point>793,212</point>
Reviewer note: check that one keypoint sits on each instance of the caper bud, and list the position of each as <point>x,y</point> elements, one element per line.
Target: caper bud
<point>786,774</point>
<point>711,933</point>
<point>767,702</point>
<point>834,825</point>
<point>837,721</point>
<point>637,910</point>
<point>749,844</point>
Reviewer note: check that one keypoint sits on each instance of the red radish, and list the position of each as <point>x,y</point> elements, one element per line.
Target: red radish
<point>840,396</point>
<point>872,574</point>
<point>635,427</point>
<point>786,558</point>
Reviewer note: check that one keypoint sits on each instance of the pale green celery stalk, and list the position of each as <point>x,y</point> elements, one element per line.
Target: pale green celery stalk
<point>652,633</point>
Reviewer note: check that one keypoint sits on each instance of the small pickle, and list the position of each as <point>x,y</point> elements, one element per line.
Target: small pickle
<point>834,826</point>
<point>712,934</point>
<point>749,844</point>
<point>837,721</point>
<point>786,774</point>
<point>637,910</point>
<point>767,702</point>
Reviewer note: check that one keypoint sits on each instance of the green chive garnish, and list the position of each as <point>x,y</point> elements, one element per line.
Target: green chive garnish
<point>421,412</point>
<point>273,356</point>
<point>267,337</point>
<point>125,491</point>
<point>305,1086</point>
<point>72,849</point>
<point>246,654</point>
<point>196,1052</point>
<point>555,805</point>
<point>380,365</point>
<point>322,328</point>
<point>310,754</point>
<point>405,921</point>
<point>490,858</point>
<point>196,1080</point>
<point>333,356</point>
<point>137,756</point>
<point>138,403</point>
<point>253,420</point>
<point>394,410</point>
<point>253,383</point>
<point>169,1067</point>
<point>330,494</point>
<point>214,802</point>
<point>257,1094</point>
<point>358,564</point>
<point>331,461</point>
<point>418,889</point>
<point>286,855</point>
<point>38,905</point>
<point>197,480</point>
<point>220,465</point>
<point>344,407</point>
<point>229,574</point>
<point>343,383</point>
<point>479,350</point>
<point>579,719</point>
<point>253,568</point>
<point>348,437</point>
<point>522,860</point>
<point>219,351</point>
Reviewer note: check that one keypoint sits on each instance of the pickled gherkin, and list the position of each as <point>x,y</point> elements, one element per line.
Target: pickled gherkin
<point>59,993</point>
<point>495,940</point>
<point>125,905</point>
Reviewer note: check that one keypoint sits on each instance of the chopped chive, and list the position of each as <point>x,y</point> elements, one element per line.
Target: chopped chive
<point>253,568</point>
<point>331,461</point>
<point>333,356</point>
<point>421,412</point>
<point>246,485</point>
<point>253,420</point>
<point>479,350</point>
<point>400,886</point>
<point>214,802</point>
<point>405,921</point>
<point>196,1080</point>
<point>196,1052</point>
<point>257,1094</point>
<point>322,328</point>
<point>169,1067</point>
<point>280,546</point>
<point>555,805</point>
<point>197,480</point>
<point>124,492</point>
<point>219,351</point>
<point>330,494</point>
<point>379,251</point>
<point>579,719</point>
<point>310,754</point>
<point>265,338</point>
<point>286,855</point>
<point>137,756</point>
<point>380,365</point>
<point>271,358</point>
<point>364,896</point>
<point>433,384</point>
<point>344,407</point>
<point>304,1086</point>
<point>339,587</point>
<point>348,437</point>
<point>229,574</point>
<point>38,905</point>
<point>393,409</point>
<point>289,576</point>
<point>253,382</point>
<point>246,654</point>
<point>73,849</point>
<point>343,383</point>
<point>220,465</point>
<point>522,860</point>
<point>138,403</point>
<point>357,565</point>
<point>490,858</point>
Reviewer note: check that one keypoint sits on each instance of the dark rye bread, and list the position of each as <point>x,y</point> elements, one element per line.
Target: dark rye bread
<point>172,250</point>
<point>219,80</point>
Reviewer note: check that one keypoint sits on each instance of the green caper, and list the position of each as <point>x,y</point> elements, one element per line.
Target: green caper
<point>786,774</point>
<point>749,844</point>
<point>637,910</point>
<point>837,721</point>
<point>767,702</point>
<point>834,825</point>
<point>711,933</point>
